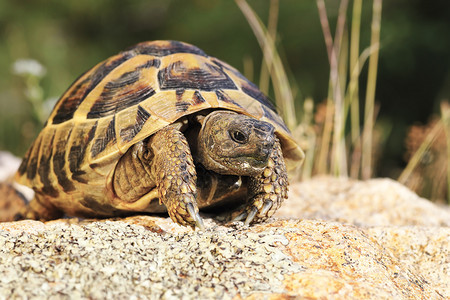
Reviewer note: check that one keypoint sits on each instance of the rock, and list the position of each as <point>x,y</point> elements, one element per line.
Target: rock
<point>375,202</point>
<point>395,245</point>
<point>424,249</point>
<point>121,259</point>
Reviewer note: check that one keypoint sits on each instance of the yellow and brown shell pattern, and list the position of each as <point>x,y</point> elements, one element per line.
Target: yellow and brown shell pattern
<point>124,100</point>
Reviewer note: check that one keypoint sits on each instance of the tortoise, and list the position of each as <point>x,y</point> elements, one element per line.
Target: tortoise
<point>160,126</point>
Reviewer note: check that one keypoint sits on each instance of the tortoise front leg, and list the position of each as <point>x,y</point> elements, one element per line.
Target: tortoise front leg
<point>266,190</point>
<point>174,172</point>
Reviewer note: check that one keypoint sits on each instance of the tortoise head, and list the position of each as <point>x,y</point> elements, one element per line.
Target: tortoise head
<point>234,144</point>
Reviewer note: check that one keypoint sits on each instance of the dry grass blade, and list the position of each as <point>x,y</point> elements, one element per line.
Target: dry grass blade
<point>370,93</point>
<point>353,98</point>
<point>327,129</point>
<point>283,92</point>
<point>307,137</point>
<point>445,112</point>
<point>264,78</point>
<point>334,50</point>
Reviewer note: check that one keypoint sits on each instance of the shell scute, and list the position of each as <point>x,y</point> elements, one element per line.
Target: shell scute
<point>59,162</point>
<point>45,167</point>
<point>241,103</point>
<point>164,104</point>
<point>193,73</point>
<point>128,85</point>
<point>154,62</point>
<point>32,162</point>
<point>129,132</point>
<point>164,48</point>
<point>106,135</point>
<point>252,90</point>
<point>114,100</point>
<point>81,137</point>
<point>223,96</point>
<point>71,100</point>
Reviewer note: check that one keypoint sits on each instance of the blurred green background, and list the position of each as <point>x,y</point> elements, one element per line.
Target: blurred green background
<point>68,37</point>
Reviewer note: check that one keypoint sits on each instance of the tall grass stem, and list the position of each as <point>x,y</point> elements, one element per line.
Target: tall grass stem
<point>264,78</point>
<point>353,89</point>
<point>338,150</point>
<point>367,154</point>
<point>354,65</point>
<point>445,113</point>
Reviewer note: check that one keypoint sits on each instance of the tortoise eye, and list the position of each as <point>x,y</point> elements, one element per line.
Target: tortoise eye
<point>238,136</point>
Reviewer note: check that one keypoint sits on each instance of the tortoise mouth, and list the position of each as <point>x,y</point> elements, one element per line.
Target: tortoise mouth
<point>248,166</point>
<point>256,157</point>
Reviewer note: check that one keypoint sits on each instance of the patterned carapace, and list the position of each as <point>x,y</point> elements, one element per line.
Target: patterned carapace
<point>126,99</point>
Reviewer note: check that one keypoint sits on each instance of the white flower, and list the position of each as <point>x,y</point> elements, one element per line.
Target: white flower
<point>28,67</point>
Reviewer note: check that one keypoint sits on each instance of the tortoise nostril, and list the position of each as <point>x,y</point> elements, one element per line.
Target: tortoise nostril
<point>267,147</point>
<point>269,141</point>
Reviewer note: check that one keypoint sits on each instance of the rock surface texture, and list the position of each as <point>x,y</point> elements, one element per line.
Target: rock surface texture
<point>333,239</point>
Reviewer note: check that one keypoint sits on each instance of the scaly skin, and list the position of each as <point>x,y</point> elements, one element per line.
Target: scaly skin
<point>130,180</point>
<point>175,176</point>
<point>267,190</point>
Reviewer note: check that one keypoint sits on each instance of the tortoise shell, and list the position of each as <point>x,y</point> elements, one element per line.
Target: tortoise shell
<point>126,99</point>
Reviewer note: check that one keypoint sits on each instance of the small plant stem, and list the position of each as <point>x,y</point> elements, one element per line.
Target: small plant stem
<point>445,113</point>
<point>339,162</point>
<point>309,136</point>
<point>353,89</point>
<point>266,67</point>
<point>354,65</point>
<point>327,128</point>
<point>325,27</point>
<point>370,93</point>
<point>338,152</point>
<point>322,161</point>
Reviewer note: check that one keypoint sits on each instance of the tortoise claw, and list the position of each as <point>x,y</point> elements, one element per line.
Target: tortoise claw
<point>240,217</point>
<point>251,215</point>
<point>195,216</point>
<point>266,207</point>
